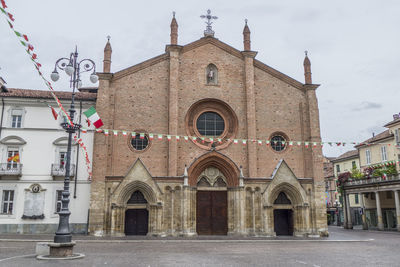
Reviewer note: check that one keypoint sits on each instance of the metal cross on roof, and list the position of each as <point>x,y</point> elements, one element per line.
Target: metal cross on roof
<point>208,31</point>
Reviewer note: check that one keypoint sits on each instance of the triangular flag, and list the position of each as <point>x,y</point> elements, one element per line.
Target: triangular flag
<point>235,141</point>
<point>211,140</point>
<point>260,142</point>
<point>194,139</point>
<point>178,138</point>
<point>267,142</point>
<point>186,138</point>
<point>141,135</point>
<point>160,137</point>
<point>151,136</point>
<point>53,111</point>
<point>133,134</point>
<point>169,137</point>
<point>124,133</point>
<point>115,132</point>
<point>244,141</point>
<point>106,132</point>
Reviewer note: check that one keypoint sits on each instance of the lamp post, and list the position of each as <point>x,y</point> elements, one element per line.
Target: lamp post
<point>72,68</point>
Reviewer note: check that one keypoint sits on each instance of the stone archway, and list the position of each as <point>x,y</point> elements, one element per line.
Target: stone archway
<point>126,210</point>
<point>288,209</point>
<point>215,178</point>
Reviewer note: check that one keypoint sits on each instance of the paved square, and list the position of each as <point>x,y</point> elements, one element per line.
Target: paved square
<point>342,248</point>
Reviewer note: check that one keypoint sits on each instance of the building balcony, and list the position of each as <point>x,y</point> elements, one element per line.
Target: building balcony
<point>373,180</point>
<point>58,170</point>
<point>10,169</point>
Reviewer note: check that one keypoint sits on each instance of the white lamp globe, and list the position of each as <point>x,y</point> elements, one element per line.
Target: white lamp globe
<point>69,69</point>
<point>94,78</point>
<point>54,76</point>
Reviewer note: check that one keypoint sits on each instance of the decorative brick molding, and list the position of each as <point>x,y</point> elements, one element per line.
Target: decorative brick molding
<point>222,109</point>
<point>217,160</point>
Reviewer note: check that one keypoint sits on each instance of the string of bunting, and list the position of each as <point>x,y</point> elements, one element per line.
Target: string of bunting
<point>158,136</point>
<point>87,160</point>
<point>24,41</point>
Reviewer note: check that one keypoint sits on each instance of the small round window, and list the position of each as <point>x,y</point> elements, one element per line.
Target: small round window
<point>210,124</point>
<point>278,143</point>
<point>140,143</point>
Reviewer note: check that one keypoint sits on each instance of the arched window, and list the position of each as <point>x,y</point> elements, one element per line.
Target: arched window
<point>212,74</point>
<point>137,198</point>
<point>282,199</point>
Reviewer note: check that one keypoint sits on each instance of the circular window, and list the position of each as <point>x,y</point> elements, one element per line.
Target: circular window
<point>210,124</point>
<point>278,143</point>
<point>140,142</point>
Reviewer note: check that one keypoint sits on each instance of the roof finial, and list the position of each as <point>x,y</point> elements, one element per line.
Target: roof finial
<point>307,69</point>
<point>245,20</point>
<point>209,17</point>
<point>173,14</point>
<point>108,38</point>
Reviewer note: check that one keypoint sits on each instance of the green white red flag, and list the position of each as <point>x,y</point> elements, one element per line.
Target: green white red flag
<point>92,115</point>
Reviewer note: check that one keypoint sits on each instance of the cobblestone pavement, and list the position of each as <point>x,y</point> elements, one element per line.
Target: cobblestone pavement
<point>342,248</point>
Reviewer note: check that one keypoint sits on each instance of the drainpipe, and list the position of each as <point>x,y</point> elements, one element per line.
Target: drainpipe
<point>77,151</point>
<point>2,114</point>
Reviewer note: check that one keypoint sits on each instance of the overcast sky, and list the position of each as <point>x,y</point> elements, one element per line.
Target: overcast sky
<point>354,46</point>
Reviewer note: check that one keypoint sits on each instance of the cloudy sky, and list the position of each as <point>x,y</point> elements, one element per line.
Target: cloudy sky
<point>354,46</point>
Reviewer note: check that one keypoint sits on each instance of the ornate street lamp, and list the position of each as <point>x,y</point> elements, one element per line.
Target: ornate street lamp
<point>72,68</point>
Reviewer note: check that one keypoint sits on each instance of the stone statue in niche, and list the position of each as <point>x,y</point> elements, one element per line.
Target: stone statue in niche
<point>212,74</point>
<point>34,202</point>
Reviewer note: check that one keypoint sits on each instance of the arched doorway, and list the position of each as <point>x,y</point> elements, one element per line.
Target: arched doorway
<point>136,215</point>
<point>283,215</point>
<point>211,203</point>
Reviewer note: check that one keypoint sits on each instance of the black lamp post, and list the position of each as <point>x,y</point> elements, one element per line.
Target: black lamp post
<point>72,68</point>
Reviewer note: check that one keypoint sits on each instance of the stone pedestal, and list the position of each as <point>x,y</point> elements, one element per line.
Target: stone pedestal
<point>61,249</point>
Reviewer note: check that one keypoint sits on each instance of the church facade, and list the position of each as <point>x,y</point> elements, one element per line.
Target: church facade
<point>206,146</point>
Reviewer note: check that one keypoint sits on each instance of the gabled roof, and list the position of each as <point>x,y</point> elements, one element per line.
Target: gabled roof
<point>395,121</point>
<point>348,155</point>
<point>376,138</point>
<point>42,94</point>
<point>210,40</point>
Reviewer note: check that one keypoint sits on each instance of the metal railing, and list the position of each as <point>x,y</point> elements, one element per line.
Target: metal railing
<point>58,170</point>
<point>372,180</point>
<point>11,168</point>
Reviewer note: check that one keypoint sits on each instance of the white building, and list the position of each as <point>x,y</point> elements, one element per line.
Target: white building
<point>32,150</point>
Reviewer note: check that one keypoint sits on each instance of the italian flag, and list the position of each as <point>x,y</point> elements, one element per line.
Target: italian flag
<point>92,115</point>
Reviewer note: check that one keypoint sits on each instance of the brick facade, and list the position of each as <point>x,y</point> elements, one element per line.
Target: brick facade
<point>155,96</point>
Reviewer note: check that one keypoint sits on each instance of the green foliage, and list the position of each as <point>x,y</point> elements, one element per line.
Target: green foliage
<point>356,174</point>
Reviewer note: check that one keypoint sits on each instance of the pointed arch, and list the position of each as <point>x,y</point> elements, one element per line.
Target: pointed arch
<point>215,159</point>
<point>130,188</point>
<point>291,192</point>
